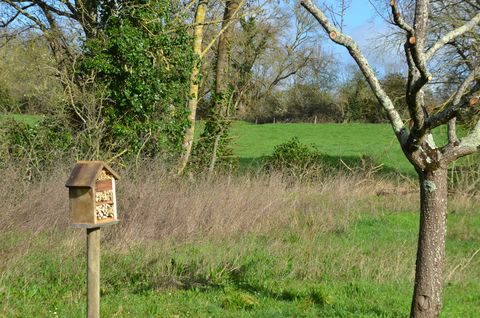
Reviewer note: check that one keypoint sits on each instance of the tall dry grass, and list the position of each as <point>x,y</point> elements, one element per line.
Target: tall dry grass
<point>159,210</point>
<point>154,205</point>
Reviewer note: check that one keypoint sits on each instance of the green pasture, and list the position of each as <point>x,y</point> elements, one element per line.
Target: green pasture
<point>363,266</point>
<point>348,142</point>
<point>339,141</point>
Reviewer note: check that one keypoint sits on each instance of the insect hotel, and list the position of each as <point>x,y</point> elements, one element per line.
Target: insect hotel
<point>92,195</point>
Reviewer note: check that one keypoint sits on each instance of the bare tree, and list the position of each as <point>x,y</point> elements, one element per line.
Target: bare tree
<point>429,160</point>
<point>274,52</point>
<point>55,19</point>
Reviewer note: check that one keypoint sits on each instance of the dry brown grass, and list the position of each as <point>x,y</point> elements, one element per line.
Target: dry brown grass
<point>155,205</point>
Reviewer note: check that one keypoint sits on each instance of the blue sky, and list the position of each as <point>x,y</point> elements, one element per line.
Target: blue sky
<point>359,13</point>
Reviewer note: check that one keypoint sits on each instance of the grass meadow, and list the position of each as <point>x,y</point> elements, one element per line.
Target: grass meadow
<point>249,245</point>
<point>339,141</point>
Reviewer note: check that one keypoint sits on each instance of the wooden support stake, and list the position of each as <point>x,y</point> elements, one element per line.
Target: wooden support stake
<point>93,272</point>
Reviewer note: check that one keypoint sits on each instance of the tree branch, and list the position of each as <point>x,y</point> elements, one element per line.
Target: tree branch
<point>26,14</point>
<point>414,85</point>
<point>43,4</point>
<point>398,19</point>
<point>452,131</point>
<point>450,36</point>
<point>346,41</point>
<point>458,102</point>
<point>417,41</point>
<point>5,24</point>
<point>466,146</point>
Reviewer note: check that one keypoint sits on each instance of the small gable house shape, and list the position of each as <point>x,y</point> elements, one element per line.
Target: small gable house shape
<point>92,196</point>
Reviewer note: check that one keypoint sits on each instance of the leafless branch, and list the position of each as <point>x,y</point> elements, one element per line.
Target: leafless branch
<point>398,19</point>
<point>53,9</point>
<point>15,16</point>
<point>450,36</point>
<point>458,102</point>
<point>26,14</point>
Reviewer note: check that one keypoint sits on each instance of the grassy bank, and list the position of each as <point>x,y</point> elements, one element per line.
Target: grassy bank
<point>235,247</point>
<point>348,142</point>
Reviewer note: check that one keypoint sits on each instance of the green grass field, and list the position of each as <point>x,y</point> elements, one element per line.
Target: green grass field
<point>335,140</point>
<point>339,141</point>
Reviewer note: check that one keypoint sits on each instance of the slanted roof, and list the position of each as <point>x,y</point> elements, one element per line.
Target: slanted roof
<point>85,173</point>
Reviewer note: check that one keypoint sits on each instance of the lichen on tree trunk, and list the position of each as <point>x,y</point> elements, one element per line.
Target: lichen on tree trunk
<point>427,297</point>
<point>194,79</point>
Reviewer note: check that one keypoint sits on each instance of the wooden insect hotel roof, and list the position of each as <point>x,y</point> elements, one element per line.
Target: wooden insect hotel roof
<point>86,173</point>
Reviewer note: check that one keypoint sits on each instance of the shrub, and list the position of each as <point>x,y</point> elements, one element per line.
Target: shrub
<point>7,103</point>
<point>37,146</point>
<point>297,160</point>
<point>143,57</point>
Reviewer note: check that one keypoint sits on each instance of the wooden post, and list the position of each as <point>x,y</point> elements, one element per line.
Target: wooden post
<point>93,272</point>
<point>93,205</point>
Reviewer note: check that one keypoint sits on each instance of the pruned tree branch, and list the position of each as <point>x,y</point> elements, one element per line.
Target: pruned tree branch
<point>398,19</point>
<point>417,41</point>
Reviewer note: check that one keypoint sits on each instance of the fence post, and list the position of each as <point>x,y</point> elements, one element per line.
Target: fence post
<point>93,272</point>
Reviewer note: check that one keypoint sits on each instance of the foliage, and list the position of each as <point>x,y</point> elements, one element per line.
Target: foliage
<point>300,102</point>
<point>306,101</point>
<point>36,146</point>
<point>28,79</point>
<point>144,58</point>
<point>296,160</point>
<point>213,150</point>
<point>359,102</point>
<point>7,103</point>
<point>394,85</point>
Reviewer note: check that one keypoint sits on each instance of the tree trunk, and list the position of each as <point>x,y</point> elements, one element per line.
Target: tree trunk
<point>223,56</point>
<point>427,295</point>
<point>193,101</point>
<point>216,124</point>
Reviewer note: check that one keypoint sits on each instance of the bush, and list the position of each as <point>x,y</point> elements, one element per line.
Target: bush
<point>34,147</point>
<point>296,160</point>
<point>143,56</point>
<point>7,103</point>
